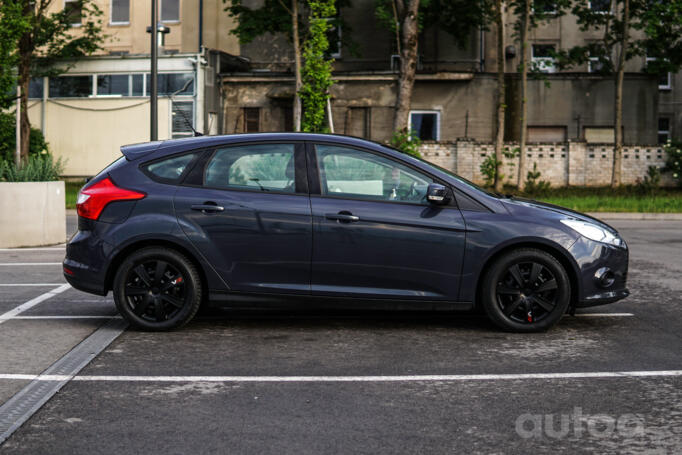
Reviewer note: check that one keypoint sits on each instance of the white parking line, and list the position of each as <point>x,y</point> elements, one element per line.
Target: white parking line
<point>63,317</point>
<point>411,378</point>
<point>7,264</point>
<point>30,284</point>
<point>604,315</point>
<point>47,248</point>
<point>33,302</point>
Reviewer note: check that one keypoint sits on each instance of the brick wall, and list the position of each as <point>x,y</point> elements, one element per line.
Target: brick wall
<point>570,163</point>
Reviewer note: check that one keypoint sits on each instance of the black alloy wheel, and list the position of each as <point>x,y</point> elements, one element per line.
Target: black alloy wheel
<point>157,289</point>
<point>527,290</point>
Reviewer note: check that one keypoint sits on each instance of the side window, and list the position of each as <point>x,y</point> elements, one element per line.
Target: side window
<point>170,168</point>
<point>268,167</point>
<point>356,174</point>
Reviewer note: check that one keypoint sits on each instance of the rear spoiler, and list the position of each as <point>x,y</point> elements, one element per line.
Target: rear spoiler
<point>135,151</point>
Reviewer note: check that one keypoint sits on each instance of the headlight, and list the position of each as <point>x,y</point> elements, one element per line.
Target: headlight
<point>594,232</point>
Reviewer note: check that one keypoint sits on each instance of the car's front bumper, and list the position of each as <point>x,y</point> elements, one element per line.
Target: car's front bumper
<point>593,258</point>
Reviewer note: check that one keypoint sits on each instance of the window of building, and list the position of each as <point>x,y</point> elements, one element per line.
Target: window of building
<point>268,167</point>
<point>545,6</point>
<point>599,134</point>
<point>663,130</point>
<point>600,6</point>
<point>251,119</point>
<point>334,38</point>
<point>70,86</point>
<point>170,10</point>
<point>120,12</point>
<point>542,57</point>
<point>664,78</point>
<point>352,173</point>
<point>113,85</point>
<point>74,11</point>
<point>594,65</point>
<point>137,85</point>
<point>173,84</point>
<point>425,124</point>
<point>182,119</point>
<point>35,88</point>
<point>546,134</point>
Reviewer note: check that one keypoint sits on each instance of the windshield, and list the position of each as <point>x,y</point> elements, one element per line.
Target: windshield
<point>460,179</point>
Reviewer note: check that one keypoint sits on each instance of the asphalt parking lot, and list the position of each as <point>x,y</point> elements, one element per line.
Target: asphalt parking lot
<point>608,380</point>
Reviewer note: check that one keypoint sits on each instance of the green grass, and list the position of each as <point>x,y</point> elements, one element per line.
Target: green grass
<point>72,189</point>
<point>583,199</point>
<point>607,199</point>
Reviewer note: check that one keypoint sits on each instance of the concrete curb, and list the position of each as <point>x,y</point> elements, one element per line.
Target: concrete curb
<point>637,216</point>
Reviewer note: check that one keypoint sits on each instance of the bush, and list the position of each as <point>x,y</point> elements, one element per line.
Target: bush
<point>407,142</point>
<point>534,185</point>
<point>38,168</point>
<point>489,168</point>
<point>37,144</point>
<point>651,181</point>
<point>674,161</point>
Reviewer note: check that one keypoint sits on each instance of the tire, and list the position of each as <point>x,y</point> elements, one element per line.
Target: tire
<point>525,290</point>
<point>157,289</point>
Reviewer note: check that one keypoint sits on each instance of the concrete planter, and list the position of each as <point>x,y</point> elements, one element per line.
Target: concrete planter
<point>32,214</point>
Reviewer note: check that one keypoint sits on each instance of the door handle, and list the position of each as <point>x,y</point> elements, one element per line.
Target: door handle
<point>208,207</point>
<point>345,217</point>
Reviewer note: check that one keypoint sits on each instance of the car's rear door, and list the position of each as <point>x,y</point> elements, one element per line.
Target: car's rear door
<point>246,208</point>
<point>374,234</point>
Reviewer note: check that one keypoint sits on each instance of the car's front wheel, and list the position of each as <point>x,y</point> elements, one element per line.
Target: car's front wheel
<point>157,289</point>
<point>526,290</point>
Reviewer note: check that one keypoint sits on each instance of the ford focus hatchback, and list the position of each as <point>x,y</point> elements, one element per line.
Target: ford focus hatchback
<point>319,220</point>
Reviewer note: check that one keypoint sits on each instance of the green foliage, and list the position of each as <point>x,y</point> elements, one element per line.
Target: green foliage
<point>456,17</point>
<point>38,168</point>
<point>655,31</point>
<point>12,26</point>
<point>37,144</point>
<point>407,142</point>
<point>533,184</point>
<point>673,162</point>
<point>317,70</point>
<point>626,198</point>
<point>650,182</point>
<point>44,40</point>
<point>489,168</point>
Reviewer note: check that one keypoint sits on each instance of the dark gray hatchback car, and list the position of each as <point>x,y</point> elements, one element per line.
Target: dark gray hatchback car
<point>282,218</point>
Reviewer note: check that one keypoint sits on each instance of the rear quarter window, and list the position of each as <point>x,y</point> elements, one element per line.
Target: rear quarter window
<point>169,169</point>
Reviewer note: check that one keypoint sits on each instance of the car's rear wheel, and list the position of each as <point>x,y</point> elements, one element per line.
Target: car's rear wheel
<point>157,289</point>
<point>526,290</point>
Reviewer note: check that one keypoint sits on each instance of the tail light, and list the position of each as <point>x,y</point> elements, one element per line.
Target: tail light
<point>92,200</point>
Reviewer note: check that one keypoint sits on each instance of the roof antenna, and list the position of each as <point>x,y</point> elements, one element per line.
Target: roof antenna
<point>184,117</point>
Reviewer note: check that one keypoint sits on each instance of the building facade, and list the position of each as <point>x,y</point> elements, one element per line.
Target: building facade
<point>102,102</point>
<point>454,93</point>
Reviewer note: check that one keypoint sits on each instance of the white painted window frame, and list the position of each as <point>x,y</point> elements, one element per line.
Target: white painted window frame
<point>543,62</point>
<point>76,24</point>
<point>428,111</point>
<point>111,14</point>
<point>172,21</point>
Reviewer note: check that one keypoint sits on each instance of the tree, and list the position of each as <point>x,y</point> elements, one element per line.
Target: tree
<point>529,14</point>
<point>40,42</point>
<point>406,18</point>
<point>317,70</point>
<point>630,29</point>
<point>289,17</point>
<point>500,99</point>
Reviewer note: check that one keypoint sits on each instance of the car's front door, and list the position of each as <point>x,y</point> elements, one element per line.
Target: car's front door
<point>374,234</point>
<point>246,208</point>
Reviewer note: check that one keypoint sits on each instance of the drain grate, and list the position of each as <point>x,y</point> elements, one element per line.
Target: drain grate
<point>24,404</point>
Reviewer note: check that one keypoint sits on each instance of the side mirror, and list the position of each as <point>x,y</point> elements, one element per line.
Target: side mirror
<point>437,194</point>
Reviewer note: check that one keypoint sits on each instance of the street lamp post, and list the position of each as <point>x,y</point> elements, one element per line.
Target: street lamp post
<point>153,92</point>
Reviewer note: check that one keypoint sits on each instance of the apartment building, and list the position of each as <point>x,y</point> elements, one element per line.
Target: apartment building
<point>102,102</point>
<point>454,93</point>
